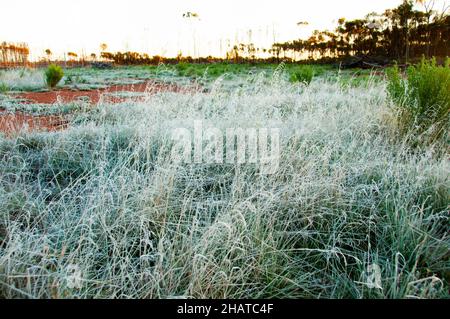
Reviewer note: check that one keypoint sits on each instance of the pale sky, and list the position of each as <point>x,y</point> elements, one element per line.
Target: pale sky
<point>157,27</point>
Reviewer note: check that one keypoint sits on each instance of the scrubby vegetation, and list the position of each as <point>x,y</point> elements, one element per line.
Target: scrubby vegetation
<point>422,97</point>
<point>303,74</point>
<point>100,211</point>
<point>53,75</point>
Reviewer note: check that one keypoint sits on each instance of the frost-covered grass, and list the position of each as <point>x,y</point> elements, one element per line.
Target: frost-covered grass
<point>126,94</point>
<point>99,210</point>
<point>39,109</point>
<point>186,73</point>
<point>182,74</point>
<point>22,80</point>
<point>12,104</point>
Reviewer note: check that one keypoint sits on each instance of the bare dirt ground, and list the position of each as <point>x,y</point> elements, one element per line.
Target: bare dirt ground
<point>67,96</point>
<point>13,123</point>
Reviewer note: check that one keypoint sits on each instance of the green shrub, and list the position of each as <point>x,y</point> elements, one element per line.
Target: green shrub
<point>3,88</point>
<point>302,74</point>
<point>422,99</point>
<point>181,66</point>
<point>53,75</point>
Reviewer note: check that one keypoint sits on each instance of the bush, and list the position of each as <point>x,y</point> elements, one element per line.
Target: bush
<point>302,74</point>
<point>53,75</point>
<point>181,67</point>
<point>3,88</point>
<point>422,98</point>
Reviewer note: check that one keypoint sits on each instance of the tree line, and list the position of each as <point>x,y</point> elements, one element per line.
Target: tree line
<point>13,54</point>
<point>414,29</point>
<point>400,33</point>
<point>409,31</point>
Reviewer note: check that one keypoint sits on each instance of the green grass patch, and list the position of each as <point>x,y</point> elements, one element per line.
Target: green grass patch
<point>422,100</point>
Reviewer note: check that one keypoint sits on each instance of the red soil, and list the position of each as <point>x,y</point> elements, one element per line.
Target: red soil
<point>65,96</point>
<point>13,123</point>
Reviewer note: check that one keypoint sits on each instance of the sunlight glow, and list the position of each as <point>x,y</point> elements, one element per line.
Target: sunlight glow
<point>158,27</point>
